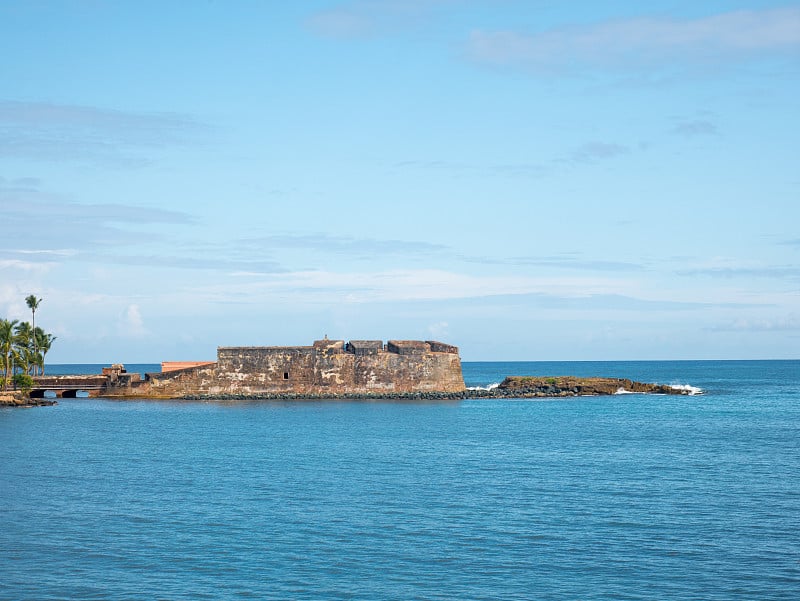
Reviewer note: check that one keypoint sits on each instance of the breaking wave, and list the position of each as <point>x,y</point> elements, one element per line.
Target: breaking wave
<point>489,387</point>
<point>688,389</point>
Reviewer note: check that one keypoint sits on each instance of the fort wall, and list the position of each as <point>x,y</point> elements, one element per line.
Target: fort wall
<point>325,367</point>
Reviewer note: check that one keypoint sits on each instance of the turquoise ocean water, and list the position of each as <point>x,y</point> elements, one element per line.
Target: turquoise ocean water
<point>622,497</point>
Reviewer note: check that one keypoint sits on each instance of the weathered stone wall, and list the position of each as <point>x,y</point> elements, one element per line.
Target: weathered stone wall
<point>172,384</point>
<point>283,369</point>
<point>386,371</point>
<point>325,367</point>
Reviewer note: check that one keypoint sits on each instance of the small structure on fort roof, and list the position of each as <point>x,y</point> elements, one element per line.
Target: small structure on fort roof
<point>408,347</point>
<point>365,347</point>
<point>119,376</point>
<point>324,367</point>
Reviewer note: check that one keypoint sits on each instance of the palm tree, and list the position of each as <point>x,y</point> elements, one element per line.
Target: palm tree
<point>21,359</point>
<point>44,341</point>
<point>33,304</point>
<point>6,346</point>
<point>23,346</point>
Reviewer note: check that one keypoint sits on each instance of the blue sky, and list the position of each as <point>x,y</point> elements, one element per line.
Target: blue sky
<point>528,180</point>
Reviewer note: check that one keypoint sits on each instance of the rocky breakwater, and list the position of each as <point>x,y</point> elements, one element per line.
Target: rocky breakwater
<point>513,387</point>
<point>19,399</point>
<point>566,386</point>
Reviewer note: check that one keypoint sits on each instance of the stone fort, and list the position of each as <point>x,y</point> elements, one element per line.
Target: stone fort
<point>325,367</point>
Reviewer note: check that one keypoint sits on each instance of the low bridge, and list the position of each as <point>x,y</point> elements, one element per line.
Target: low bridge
<point>68,386</point>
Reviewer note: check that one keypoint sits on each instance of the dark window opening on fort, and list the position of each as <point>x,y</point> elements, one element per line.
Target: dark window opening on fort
<point>286,375</point>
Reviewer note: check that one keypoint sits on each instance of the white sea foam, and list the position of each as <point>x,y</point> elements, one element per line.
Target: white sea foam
<point>489,387</point>
<point>621,390</point>
<point>688,389</point>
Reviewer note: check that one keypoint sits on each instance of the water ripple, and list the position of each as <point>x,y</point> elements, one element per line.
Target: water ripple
<point>623,498</point>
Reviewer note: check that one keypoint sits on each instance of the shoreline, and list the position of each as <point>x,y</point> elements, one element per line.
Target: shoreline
<point>18,399</point>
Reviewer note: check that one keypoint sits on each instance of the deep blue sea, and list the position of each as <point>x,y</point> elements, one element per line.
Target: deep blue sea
<point>623,497</point>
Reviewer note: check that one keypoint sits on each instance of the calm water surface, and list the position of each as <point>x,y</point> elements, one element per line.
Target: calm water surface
<point>624,497</point>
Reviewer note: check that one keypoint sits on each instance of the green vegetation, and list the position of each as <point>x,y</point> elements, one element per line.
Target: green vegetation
<point>23,348</point>
<point>24,382</point>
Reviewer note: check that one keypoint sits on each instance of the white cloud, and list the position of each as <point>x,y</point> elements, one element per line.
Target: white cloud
<point>642,41</point>
<point>344,245</point>
<point>340,23</point>
<point>56,252</point>
<point>131,324</point>
<point>780,272</point>
<point>312,287</point>
<point>781,324</point>
<point>593,151</point>
<point>695,128</point>
<point>439,330</point>
<point>76,231</point>
<point>27,266</point>
<point>58,132</point>
<point>364,18</point>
